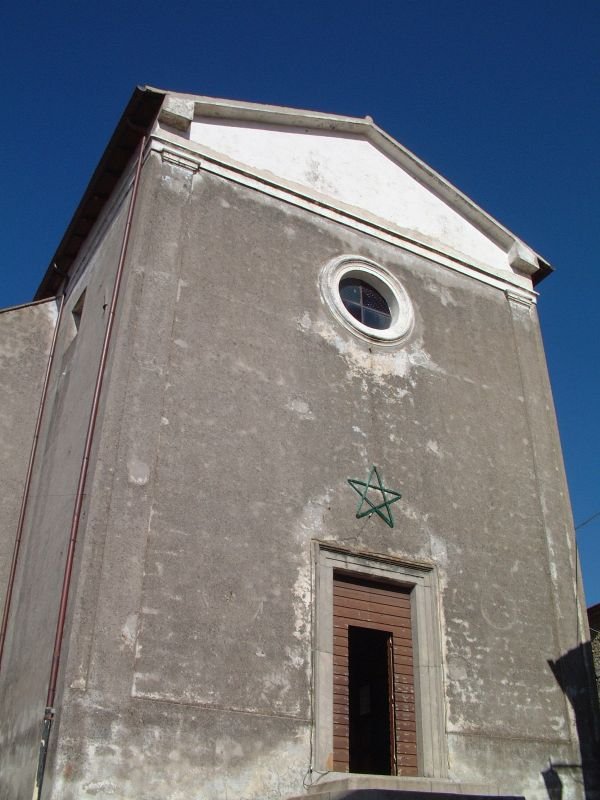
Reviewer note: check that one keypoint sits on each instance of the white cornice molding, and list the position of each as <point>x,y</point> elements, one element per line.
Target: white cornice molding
<point>519,299</point>
<point>193,156</point>
<point>522,258</point>
<point>180,160</point>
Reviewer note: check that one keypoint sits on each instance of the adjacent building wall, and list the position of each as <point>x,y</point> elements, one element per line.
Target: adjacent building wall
<point>25,340</point>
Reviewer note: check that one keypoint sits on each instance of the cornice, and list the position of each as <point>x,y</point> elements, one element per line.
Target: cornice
<point>194,157</point>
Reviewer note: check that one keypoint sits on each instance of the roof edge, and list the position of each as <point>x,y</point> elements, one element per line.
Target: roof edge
<point>135,122</point>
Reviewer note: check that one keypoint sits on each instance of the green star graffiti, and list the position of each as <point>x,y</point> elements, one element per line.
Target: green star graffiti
<point>382,509</point>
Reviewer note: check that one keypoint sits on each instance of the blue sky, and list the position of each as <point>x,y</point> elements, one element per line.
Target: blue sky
<point>501,97</point>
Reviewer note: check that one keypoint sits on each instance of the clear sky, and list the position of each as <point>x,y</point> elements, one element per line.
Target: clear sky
<point>500,96</point>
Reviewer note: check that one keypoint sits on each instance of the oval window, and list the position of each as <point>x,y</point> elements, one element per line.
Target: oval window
<point>367,299</point>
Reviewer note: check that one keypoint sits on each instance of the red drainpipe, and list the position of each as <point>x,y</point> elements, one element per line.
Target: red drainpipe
<point>26,490</point>
<point>64,597</point>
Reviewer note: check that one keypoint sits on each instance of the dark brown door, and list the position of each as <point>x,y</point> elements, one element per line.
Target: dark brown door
<point>373,692</point>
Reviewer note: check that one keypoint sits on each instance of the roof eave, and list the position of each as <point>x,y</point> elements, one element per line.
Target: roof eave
<point>542,272</point>
<point>136,120</point>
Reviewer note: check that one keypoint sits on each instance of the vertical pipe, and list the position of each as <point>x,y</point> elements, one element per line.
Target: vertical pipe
<point>66,585</point>
<point>26,490</point>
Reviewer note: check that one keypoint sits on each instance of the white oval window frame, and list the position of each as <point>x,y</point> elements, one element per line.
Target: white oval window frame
<point>380,279</point>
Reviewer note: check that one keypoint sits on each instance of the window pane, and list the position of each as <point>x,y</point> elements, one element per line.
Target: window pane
<point>372,299</point>
<point>365,303</point>
<point>375,320</point>
<point>355,310</point>
<point>350,290</point>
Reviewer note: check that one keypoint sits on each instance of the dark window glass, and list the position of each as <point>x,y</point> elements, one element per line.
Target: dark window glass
<point>365,303</point>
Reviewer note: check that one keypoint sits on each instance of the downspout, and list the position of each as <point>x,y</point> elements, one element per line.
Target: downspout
<point>26,490</point>
<point>66,585</point>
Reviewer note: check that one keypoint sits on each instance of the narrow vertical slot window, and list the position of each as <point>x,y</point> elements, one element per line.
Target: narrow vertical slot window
<point>78,311</point>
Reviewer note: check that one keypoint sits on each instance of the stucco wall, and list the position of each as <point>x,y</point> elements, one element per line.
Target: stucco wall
<point>235,412</point>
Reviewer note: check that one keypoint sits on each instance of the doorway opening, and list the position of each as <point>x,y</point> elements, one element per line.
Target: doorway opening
<point>370,701</point>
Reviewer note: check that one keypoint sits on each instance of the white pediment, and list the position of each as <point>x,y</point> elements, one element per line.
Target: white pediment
<point>351,169</point>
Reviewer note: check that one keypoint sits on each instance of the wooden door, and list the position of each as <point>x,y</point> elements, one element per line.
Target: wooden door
<point>373,665</point>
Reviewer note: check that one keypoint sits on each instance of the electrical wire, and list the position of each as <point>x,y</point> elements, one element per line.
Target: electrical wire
<point>586,521</point>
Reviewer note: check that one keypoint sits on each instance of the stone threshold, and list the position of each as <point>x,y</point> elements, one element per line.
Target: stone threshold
<point>385,787</point>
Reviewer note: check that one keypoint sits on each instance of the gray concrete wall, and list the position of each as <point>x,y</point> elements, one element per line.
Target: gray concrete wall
<point>25,340</point>
<point>28,654</point>
<point>236,410</point>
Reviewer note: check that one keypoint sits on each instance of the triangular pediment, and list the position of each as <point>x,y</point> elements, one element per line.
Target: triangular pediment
<point>358,167</point>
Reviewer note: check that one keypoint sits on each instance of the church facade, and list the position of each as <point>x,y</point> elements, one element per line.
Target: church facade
<point>294,522</point>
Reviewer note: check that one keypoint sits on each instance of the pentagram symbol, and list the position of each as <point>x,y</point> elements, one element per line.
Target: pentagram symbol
<point>382,509</point>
